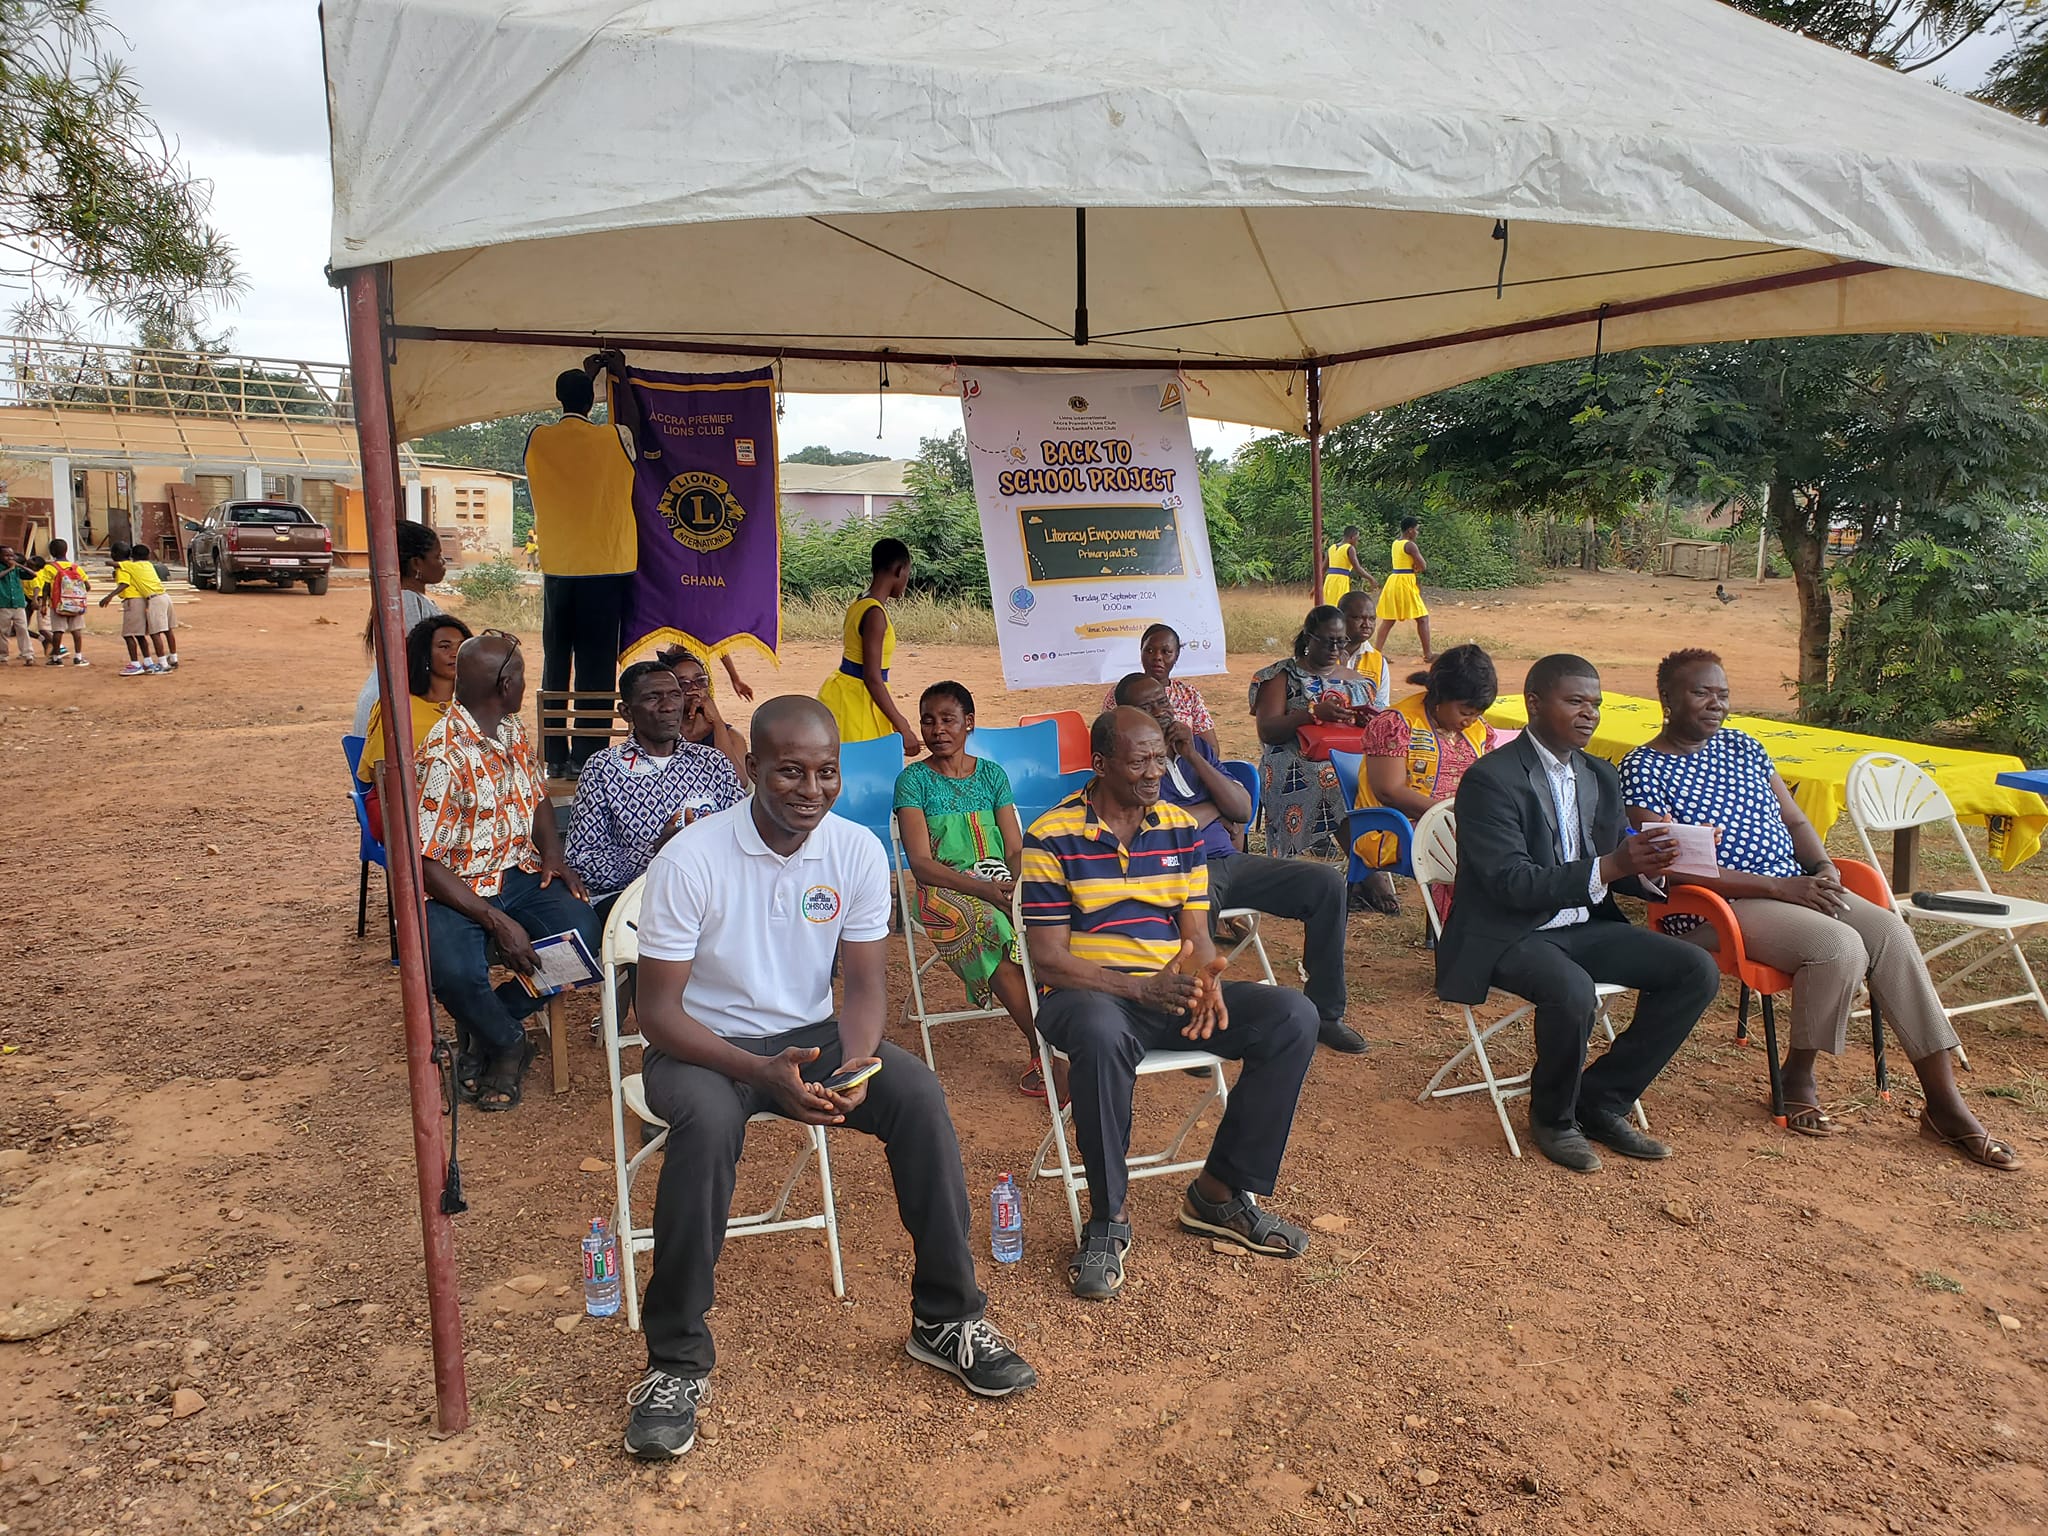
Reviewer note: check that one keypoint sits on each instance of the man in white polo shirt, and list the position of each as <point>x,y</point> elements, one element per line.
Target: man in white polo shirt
<point>742,916</point>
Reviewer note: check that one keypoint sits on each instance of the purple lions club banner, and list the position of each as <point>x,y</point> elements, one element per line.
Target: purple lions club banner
<point>710,574</point>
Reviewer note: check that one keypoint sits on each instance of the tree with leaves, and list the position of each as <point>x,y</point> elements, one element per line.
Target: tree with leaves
<point>818,453</point>
<point>93,199</point>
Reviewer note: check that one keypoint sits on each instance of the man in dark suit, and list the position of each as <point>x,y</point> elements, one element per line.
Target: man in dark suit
<point>1542,847</point>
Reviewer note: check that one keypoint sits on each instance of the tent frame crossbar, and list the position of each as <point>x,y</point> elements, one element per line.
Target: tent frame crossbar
<point>1589,316</point>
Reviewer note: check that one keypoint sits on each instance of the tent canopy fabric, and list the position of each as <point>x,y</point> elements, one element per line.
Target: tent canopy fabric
<point>1266,186</point>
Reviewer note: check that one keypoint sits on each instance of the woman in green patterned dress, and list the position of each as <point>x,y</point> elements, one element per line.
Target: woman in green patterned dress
<point>959,825</point>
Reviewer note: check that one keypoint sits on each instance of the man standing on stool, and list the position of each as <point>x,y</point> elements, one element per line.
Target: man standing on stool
<point>742,915</point>
<point>1542,844</point>
<point>580,476</point>
<point>1116,911</point>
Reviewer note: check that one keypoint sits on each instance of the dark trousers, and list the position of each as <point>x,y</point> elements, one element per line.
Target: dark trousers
<point>1309,893</point>
<point>707,1119</point>
<point>1272,1031</point>
<point>458,959</point>
<point>579,621</point>
<point>1556,968</point>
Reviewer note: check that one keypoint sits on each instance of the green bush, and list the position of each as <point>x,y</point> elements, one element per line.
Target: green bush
<point>494,580</point>
<point>1945,639</point>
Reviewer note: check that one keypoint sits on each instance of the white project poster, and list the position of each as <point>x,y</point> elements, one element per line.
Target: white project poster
<point>1091,518</point>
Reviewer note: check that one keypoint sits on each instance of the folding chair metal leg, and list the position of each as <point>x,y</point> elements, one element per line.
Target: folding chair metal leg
<point>1489,1084</point>
<point>363,899</point>
<point>1884,1077</point>
<point>1742,1015</point>
<point>831,1211</point>
<point>1251,941</point>
<point>1771,1048</point>
<point>1071,1178</point>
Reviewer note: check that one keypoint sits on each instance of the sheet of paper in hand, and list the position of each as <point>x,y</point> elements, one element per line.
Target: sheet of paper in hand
<point>561,961</point>
<point>1695,849</point>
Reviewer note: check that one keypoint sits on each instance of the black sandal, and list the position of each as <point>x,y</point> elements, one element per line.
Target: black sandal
<point>1242,1220</point>
<point>502,1087</point>
<point>1096,1271</point>
<point>469,1072</point>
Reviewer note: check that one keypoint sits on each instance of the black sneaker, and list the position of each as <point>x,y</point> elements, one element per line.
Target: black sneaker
<point>975,1352</point>
<point>664,1422</point>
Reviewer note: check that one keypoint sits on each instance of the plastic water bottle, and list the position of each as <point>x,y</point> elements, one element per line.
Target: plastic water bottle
<point>600,1271</point>
<point>1005,1221</point>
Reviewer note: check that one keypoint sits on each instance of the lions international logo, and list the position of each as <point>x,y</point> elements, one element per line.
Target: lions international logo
<point>821,904</point>
<point>1078,404</point>
<point>701,511</point>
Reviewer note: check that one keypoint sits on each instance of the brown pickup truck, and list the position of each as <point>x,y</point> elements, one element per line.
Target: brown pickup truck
<point>276,541</point>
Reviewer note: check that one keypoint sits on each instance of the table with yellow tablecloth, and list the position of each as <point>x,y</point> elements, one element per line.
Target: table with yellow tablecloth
<point>1815,762</point>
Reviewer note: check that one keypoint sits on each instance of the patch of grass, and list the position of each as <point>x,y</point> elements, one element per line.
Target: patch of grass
<point>2026,1088</point>
<point>1328,1272</point>
<point>1998,1221</point>
<point>1935,1280</point>
<point>517,611</point>
<point>919,620</point>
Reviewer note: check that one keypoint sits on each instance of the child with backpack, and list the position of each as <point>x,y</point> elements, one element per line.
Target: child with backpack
<point>64,588</point>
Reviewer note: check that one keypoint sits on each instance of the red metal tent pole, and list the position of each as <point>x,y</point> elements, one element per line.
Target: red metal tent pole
<point>1315,483</point>
<point>371,381</point>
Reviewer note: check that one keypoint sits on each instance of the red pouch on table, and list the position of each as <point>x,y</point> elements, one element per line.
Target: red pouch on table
<point>1319,741</point>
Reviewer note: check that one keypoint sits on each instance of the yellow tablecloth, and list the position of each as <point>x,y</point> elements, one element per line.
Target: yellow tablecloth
<point>1816,762</point>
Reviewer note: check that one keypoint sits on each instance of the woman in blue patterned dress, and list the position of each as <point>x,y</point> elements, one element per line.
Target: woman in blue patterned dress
<point>1305,810</point>
<point>1795,913</point>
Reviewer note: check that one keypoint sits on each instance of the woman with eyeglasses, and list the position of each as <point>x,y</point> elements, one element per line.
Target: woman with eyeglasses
<point>703,725</point>
<point>1304,807</point>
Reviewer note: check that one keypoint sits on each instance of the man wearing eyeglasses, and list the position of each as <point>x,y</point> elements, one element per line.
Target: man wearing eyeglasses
<point>493,865</point>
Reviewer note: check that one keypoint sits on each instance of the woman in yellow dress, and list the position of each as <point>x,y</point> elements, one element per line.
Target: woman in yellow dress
<point>1341,566</point>
<point>430,680</point>
<point>1401,597</point>
<point>858,693</point>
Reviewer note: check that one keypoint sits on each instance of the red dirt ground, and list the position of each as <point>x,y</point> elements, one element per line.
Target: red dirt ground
<point>203,1077</point>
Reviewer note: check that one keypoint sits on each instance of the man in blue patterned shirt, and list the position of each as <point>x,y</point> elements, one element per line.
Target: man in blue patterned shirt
<point>637,794</point>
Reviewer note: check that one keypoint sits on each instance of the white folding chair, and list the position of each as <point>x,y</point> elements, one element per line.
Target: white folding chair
<point>915,1006</point>
<point>1436,863</point>
<point>622,948</point>
<point>1889,794</point>
<point>1153,1165</point>
<point>1249,916</point>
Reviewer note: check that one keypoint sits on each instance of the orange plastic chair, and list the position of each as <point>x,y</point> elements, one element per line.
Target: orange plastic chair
<point>1767,981</point>
<point>1075,753</point>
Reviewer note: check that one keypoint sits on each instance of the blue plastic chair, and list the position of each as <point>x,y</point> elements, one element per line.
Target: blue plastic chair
<point>1247,775</point>
<point>1030,755</point>
<point>867,786</point>
<point>1376,818</point>
<point>368,850</point>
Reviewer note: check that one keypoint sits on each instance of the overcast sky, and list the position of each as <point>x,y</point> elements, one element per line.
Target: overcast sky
<point>238,84</point>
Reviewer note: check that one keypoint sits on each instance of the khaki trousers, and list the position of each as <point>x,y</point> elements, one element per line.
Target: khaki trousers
<point>1828,956</point>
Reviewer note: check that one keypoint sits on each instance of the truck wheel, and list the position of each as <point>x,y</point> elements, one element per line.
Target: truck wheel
<point>195,574</point>
<point>223,576</point>
<point>316,586</point>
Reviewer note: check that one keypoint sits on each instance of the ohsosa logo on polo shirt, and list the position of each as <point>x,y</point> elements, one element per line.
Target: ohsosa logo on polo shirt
<point>821,904</point>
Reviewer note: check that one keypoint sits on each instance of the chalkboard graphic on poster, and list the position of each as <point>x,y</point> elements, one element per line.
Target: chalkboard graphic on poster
<point>1091,543</point>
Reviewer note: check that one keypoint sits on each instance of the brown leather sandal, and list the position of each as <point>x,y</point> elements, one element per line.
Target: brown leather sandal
<point>1811,1120</point>
<point>1978,1146</point>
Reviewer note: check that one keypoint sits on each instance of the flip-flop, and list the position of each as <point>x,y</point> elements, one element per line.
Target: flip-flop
<point>1032,1083</point>
<point>1811,1120</point>
<point>1978,1146</point>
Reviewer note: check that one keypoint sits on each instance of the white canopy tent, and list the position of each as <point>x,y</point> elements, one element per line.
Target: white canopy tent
<point>1266,185</point>
<point>1346,204</point>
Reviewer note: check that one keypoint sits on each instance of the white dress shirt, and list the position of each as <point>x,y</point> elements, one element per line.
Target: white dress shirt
<point>1564,796</point>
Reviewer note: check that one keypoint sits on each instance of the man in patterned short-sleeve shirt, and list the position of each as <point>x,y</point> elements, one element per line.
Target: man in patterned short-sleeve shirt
<point>492,864</point>
<point>633,797</point>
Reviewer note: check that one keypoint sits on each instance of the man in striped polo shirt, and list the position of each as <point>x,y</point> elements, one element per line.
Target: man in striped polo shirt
<point>1116,912</point>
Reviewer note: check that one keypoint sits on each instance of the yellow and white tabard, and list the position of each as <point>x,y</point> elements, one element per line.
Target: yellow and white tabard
<point>760,930</point>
